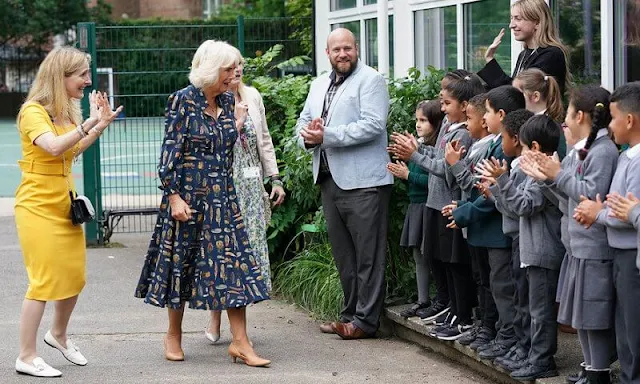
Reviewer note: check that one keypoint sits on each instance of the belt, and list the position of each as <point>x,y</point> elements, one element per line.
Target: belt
<point>54,169</point>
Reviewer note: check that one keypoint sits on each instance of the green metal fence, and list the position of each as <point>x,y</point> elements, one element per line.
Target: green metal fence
<point>139,66</point>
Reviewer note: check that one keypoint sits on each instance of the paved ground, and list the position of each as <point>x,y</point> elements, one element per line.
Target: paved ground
<point>122,337</point>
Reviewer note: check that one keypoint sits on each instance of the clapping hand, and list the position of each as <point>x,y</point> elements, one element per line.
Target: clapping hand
<point>484,189</point>
<point>490,170</point>
<point>453,152</point>
<point>313,134</point>
<point>399,169</point>
<point>403,146</point>
<point>447,211</point>
<point>621,206</point>
<point>530,166</point>
<point>587,211</point>
<point>550,166</point>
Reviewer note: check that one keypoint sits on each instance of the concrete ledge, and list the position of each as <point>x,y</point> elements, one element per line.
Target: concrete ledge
<point>568,358</point>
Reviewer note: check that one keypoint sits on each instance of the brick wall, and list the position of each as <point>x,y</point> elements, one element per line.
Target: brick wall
<point>171,9</point>
<point>166,9</point>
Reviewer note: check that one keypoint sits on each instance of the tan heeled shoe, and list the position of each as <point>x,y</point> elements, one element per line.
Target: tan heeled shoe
<point>172,356</point>
<point>235,354</point>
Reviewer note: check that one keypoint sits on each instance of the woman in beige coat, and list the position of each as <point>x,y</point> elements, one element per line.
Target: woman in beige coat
<point>254,158</point>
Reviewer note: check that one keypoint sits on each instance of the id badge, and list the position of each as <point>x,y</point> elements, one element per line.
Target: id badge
<point>251,172</point>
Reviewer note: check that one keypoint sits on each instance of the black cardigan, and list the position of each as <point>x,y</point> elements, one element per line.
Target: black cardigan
<point>550,60</point>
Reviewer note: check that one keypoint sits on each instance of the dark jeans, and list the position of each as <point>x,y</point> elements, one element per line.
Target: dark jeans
<point>481,274</point>
<point>627,282</point>
<point>522,319</point>
<point>543,284</point>
<point>357,222</point>
<point>503,290</point>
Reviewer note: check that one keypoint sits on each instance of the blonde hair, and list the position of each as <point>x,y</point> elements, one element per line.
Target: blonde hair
<point>242,87</point>
<point>209,59</point>
<point>546,35</point>
<point>535,80</point>
<point>48,88</point>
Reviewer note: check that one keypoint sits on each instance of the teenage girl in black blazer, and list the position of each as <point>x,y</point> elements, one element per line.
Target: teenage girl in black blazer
<point>532,24</point>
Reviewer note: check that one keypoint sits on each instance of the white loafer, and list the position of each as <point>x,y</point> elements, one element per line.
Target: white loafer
<point>37,368</point>
<point>71,353</point>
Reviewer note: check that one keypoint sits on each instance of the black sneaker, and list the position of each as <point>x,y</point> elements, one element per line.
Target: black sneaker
<point>444,318</point>
<point>532,372</point>
<point>517,360</point>
<point>412,311</point>
<point>470,336</point>
<point>506,357</point>
<point>484,337</point>
<point>449,322</point>
<point>497,350</point>
<point>430,314</point>
<point>454,332</point>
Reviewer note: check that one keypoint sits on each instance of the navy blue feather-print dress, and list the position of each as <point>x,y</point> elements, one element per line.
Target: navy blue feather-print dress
<point>206,261</point>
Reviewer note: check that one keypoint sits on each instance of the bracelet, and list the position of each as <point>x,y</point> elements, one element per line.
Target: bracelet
<point>277,182</point>
<point>80,130</point>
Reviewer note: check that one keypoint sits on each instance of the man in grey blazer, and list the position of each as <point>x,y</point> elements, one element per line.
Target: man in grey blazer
<point>344,123</point>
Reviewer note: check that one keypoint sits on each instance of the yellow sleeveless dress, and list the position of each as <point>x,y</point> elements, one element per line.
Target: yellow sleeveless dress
<point>52,247</point>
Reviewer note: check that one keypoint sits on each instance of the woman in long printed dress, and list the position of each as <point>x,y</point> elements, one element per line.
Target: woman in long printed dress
<point>199,251</point>
<point>253,157</point>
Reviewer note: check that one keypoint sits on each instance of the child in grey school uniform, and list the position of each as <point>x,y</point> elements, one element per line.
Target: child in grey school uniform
<point>516,357</point>
<point>446,246</point>
<point>586,281</point>
<point>621,235</point>
<point>541,249</point>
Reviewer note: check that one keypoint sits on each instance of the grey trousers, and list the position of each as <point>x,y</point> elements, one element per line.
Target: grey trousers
<point>522,320</point>
<point>357,222</point>
<point>627,283</point>
<point>503,291</point>
<point>543,284</point>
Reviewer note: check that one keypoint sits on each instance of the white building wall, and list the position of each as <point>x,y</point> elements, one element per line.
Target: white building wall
<point>404,56</point>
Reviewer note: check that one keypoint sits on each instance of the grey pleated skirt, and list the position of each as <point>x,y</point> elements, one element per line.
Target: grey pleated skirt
<point>413,228</point>
<point>586,294</point>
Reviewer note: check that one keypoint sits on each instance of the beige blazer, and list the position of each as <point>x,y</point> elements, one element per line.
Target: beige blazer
<point>265,144</point>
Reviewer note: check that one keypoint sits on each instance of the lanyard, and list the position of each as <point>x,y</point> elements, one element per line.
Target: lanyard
<point>524,60</point>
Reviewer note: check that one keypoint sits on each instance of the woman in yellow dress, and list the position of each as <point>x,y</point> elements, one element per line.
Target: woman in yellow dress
<point>53,134</point>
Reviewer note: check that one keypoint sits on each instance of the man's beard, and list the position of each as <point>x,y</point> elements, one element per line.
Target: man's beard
<point>352,65</point>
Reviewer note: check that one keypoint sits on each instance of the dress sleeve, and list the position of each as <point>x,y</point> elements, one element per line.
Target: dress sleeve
<point>170,166</point>
<point>34,121</point>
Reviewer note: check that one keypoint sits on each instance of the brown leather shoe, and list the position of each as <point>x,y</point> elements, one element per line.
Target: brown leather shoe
<point>348,331</point>
<point>327,327</point>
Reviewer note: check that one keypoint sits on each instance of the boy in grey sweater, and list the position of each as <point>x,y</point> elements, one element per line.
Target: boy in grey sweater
<point>517,356</point>
<point>621,235</point>
<point>541,249</point>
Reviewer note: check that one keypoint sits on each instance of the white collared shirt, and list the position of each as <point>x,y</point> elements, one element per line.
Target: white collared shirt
<point>515,163</point>
<point>476,146</point>
<point>633,151</point>
<point>542,112</point>
<point>455,126</point>
<point>580,144</point>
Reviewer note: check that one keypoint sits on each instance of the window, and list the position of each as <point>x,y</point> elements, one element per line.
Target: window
<point>371,33</point>
<point>435,38</point>
<point>482,22</point>
<point>337,5</point>
<point>627,41</point>
<point>579,25</point>
<point>353,26</point>
<point>367,2</point>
